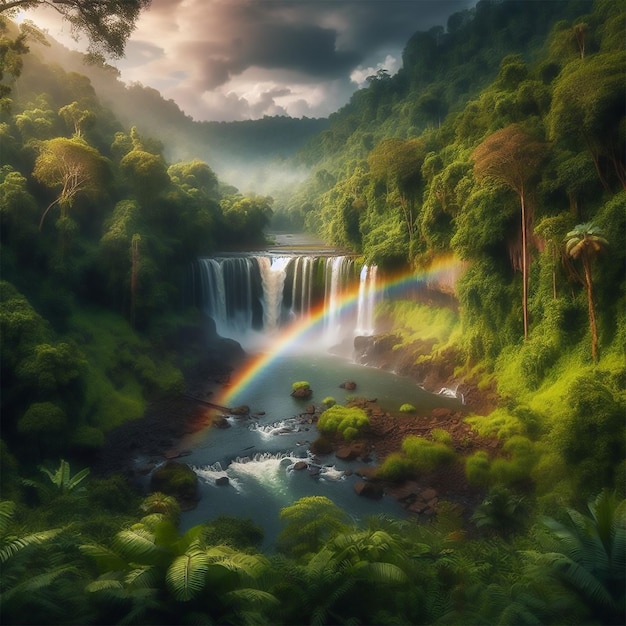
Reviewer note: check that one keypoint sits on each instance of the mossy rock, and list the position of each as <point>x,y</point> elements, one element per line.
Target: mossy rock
<point>178,480</point>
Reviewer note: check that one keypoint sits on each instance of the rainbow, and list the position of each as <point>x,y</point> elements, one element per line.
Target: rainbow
<point>443,272</point>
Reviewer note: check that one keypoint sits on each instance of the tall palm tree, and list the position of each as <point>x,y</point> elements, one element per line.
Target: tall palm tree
<point>586,242</point>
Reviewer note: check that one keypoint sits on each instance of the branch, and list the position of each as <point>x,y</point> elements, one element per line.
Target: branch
<point>43,217</point>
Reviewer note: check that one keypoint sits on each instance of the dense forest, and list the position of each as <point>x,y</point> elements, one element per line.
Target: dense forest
<point>499,143</point>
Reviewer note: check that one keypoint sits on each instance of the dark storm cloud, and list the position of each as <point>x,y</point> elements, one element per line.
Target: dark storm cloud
<point>319,38</point>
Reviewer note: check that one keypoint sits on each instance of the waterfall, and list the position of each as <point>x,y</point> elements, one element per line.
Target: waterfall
<point>273,273</point>
<point>337,273</point>
<point>367,301</point>
<point>252,295</point>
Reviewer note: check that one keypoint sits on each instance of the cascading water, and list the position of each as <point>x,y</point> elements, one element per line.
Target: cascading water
<point>367,301</point>
<point>257,465</point>
<point>259,294</point>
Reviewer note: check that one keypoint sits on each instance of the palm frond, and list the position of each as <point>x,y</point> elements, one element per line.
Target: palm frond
<point>384,573</point>
<point>143,577</point>
<point>186,576</point>
<point>12,545</point>
<point>105,559</point>
<point>253,597</point>
<point>7,511</point>
<point>137,545</point>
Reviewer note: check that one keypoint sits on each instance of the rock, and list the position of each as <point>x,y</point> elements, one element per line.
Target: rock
<point>242,410</point>
<point>299,465</point>
<point>302,393</point>
<point>441,413</point>
<point>368,489</point>
<point>348,385</point>
<point>221,422</point>
<point>428,494</point>
<point>221,481</point>
<point>310,409</point>
<point>178,480</point>
<point>351,451</point>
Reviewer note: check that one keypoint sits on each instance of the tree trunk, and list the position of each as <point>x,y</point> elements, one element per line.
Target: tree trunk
<point>592,311</point>
<point>524,266</point>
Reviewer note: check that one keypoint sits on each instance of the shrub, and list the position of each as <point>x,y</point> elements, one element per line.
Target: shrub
<point>441,435</point>
<point>241,534</point>
<point>329,401</point>
<point>517,468</point>
<point>341,420</point>
<point>395,467</point>
<point>477,469</point>
<point>426,455</point>
<point>407,408</point>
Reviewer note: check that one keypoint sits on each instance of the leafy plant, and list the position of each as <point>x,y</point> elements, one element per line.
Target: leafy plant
<point>348,422</point>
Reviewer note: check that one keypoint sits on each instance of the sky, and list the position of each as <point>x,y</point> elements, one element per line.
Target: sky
<point>227,60</point>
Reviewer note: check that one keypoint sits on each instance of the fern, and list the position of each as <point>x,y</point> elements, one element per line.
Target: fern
<point>186,576</point>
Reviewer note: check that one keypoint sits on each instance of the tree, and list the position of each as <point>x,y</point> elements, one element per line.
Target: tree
<point>398,163</point>
<point>588,112</point>
<point>511,157</point>
<point>77,118</point>
<point>107,23</point>
<point>585,243</point>
<point>71,167</point>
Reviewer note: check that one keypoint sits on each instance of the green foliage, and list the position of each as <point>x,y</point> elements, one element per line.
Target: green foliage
<point>310,522</point>
<point>175,479</point>
<point>425,455</point>
<point>302,384</point>
<point>348,422</point>
<point>477,468</point>
<point>395,467</point>
<point>441,436</point>
<point>590,432</point>
<point>407,408</point>
<point>502,511</point>
<point>241,534</point>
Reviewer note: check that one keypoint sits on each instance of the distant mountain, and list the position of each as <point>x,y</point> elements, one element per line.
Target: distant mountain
<point>240,153</point>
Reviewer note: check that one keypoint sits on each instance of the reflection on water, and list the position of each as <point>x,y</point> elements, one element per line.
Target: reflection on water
<point>248,470</point>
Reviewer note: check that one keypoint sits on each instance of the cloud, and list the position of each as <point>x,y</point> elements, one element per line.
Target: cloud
<point>305,55</point>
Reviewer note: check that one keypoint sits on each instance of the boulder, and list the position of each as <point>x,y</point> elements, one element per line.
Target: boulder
<point>221,481</point>
<point>349,385</point>
<point>368,489</point>
<point>221,422</point>
<point>299,465</point>
<point>302,393</point>
<point>177,480</point>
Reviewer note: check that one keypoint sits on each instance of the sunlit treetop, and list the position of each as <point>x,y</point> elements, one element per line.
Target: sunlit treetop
<point>106,23</point>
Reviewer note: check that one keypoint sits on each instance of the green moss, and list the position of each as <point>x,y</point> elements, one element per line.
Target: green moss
<point>477,468</point>
<point>441,435</point>
<point>302,384</point>
<point>425,455</point>
<point>348,422</point>
<point>395,467</point>
<point>500,423</point>
<point>407,408</point>
<point>175,479</point>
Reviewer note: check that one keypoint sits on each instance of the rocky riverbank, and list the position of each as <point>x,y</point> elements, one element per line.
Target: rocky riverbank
<point>155,437</point>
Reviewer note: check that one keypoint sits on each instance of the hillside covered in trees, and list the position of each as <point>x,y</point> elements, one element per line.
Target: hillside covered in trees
<point>499,143</point>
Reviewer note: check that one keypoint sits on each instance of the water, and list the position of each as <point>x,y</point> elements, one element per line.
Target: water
<point>259,299</point>
<point>257,454</point>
